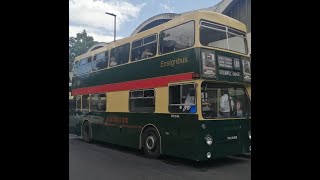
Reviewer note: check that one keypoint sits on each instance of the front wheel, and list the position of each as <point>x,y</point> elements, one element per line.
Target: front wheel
<point>86,132</point>
<point>151,142</point>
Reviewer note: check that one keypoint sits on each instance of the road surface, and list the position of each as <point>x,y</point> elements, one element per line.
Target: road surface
<point>102,161</point>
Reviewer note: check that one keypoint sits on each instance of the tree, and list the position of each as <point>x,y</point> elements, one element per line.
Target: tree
<point>79,45</point>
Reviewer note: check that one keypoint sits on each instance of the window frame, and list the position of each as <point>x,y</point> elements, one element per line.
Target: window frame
<point>129,54</point>
<point>194,37</point>
<point>105,95</point>
<point>142,45</point>
<point>218,88</point>
<point>227,35</point>
<point>195,85</point>
<point>87,109</point>
<point>154,99</point>
<point>78,99</point>
<point>94,59</point>
<point>89,58</point>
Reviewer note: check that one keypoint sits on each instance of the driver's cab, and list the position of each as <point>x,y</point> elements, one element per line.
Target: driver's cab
<point>224,101</point>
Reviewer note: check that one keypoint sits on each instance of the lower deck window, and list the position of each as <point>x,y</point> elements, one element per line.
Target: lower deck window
<point>85,102</point>
<point>78,102</point>
<point>98,102</point>
<point>182,98</point>
<point>142,101</point>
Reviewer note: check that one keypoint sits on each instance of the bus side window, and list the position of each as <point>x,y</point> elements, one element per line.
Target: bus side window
<point>98,102</point>
<point>76,68</point>
<point>142,100</point>
<point>85,102</point>
<point>72,105</point>
<point>100,61</point>
<point>120,54</point>
<point>182,98</point>
<point>177,38</point>
<point>144,48</point>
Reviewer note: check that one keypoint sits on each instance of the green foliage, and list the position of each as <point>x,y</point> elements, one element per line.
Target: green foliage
<point>79,45</point>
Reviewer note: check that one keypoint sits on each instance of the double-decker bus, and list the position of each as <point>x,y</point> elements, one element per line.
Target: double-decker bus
<point>177,89</point>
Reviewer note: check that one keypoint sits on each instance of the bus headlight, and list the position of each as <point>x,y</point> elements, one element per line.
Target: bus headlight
<point>208,155</point>
<point>249,134</point>
<point>208,139</point>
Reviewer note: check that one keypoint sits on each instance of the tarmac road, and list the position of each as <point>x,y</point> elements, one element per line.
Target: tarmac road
<point>102,161</point>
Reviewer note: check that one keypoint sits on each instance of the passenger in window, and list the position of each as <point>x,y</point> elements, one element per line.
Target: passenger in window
<point>146,53</point>
<point>225,102</point>
<point>137,54</point>
<point>189,104</point>
<point>113,61</point>
<point>239,109</point>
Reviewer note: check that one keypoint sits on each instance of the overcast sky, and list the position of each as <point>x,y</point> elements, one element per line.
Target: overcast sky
<point>90,15</point>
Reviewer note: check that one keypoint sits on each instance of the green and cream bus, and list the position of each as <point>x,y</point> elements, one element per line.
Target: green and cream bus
<point>186,97</point>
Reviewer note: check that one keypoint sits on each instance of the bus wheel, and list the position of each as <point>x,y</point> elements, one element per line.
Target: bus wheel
<point>86,132</point>
<point>151,143</point>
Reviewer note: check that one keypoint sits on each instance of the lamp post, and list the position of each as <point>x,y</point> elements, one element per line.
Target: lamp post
<point>114,24</point>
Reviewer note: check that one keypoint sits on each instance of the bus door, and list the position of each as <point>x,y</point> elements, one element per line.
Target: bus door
<point>183,118</point>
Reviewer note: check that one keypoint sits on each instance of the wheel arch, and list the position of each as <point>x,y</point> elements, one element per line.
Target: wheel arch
<point>149,125</point>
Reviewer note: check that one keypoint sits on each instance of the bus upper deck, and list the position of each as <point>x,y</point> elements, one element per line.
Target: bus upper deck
<point>200,44</point>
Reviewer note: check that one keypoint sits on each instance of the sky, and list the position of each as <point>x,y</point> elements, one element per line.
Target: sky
<point>90,15</point>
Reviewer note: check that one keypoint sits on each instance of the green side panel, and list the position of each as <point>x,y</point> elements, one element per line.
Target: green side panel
<point>175,63</point>
<point>181,136</point>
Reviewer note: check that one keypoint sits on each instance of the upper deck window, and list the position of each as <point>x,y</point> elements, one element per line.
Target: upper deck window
<point>100,61</point>
<point>76,68</point>
<point>144,48</point>
<point>177,38</point>
<point>119,55</point>
<point>220,36</point>
<point>84,66</point>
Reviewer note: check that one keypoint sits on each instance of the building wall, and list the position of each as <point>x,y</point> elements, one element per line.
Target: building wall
<point>241,11</point>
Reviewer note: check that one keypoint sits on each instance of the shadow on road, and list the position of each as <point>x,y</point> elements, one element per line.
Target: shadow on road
<point>202,166</point>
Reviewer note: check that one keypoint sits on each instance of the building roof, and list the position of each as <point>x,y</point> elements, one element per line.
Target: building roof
<point>154,21</point>
<point>220,7</point>
<point>97,46</point>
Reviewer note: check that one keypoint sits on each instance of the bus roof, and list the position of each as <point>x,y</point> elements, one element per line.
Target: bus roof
<point>194,15</point>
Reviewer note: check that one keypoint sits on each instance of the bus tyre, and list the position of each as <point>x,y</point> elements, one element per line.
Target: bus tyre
<point>151,143</point>
<point>86,132</point>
